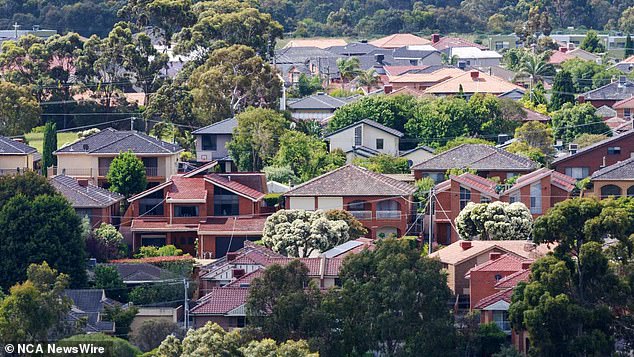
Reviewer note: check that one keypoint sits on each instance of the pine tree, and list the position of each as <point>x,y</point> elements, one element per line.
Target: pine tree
<point>50,145</point>
<point>629,50</point>
<point>563,90</point>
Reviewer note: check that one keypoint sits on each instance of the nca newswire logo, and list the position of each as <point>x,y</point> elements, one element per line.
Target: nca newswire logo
<point>54,349</point>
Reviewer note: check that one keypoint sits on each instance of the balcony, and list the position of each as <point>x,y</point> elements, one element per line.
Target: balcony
<point>151,171</point>
<point>103,170</point>
<point>396,215</point>
<point>362,215</point>
<point>74,172</point>
<point>13,171</point>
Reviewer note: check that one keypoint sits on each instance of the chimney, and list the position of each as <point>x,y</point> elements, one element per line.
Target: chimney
<point>622,81</point>
<point>563,49</point>
<point>502,138</point>
<point>581,99</point>
<point>435,38</point>
<point>572,148</point>
<point>526,265</point>
<point>231,256</point>
<point>475,74</point>
<point>571,46</point>
<point>465,244</point>
<point>83,183</point>
<point>387,89</point>
<point>237,273</point>
<point>379,57</point>
<point>494,255</point>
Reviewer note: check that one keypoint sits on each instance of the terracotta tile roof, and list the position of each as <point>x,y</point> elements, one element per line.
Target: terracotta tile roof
<point>237,225</point>
<point>187,188</point>
<point>221,300</point>
<point>246,279</point>
<point>351,180</point>
<point>615,122</point>
<point>440,75</point>
<point>235,187</point>
<point>628,60</point>
<point>479,183</point>
<point>483,83</point>
<point>314,265</point>
<point>154,225</point>
<point>535,116</point>
<point>319,43</point>
<point>454,254</point>
<point>505,263</point>
<point>623,170</point>
<point>511,281</point>
<point>504,295</point>
<point>451,42</point>
<point>557,57</point>
<point>563,181</point>
<point>399,40</point>
<point>408,91</point>
<point>625,103</point>
<point>477,157</point>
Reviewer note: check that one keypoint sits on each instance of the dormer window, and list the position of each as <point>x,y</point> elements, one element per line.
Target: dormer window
<point>357,136</point>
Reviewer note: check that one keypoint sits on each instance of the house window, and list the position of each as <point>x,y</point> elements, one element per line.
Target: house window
<point>413,62</point>
<point>536,198</point>
<point>185,211</point>
<point>438,177</point>
<point>209,142</point>
<point>151,206</point>
<point>614,150</point>
<point>83,212</point>
<point>241,321</point>
<point>498,277</point>
<point>485,199</point>
<point>578,172</point>
<point>465,197</point>
<point>357,136</point>
<point>626,113</point>
<point>514,197</point>
<point>501,318</point>
<point>379,144</point>
<point>226,203</point>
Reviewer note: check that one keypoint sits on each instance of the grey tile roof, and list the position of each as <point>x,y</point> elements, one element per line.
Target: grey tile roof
<point>612,91</point>
<point>404,52</point>
<point>623,170</point>
<point>477,157</point>
<point>355,48</point>
<point>607,141</point>
<point>84,196</point>
<point>110,141</point>
<point>222,127</point>
<point>142,272</point>
<point>605,112</point>
<point>320,101</point>
<point>371,123</point>
<point>12,147</point>
<point>90,303</point>
<point>352,180</point>
<point>301,54</point>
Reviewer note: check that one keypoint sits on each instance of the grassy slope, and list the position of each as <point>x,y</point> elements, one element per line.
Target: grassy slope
<point>36,140</point>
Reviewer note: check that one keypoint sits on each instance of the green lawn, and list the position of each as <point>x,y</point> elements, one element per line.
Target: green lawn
<point>36,140</point>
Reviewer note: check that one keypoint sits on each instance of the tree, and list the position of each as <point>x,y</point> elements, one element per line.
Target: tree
<point>355,228</point>
<point>523,149</point>
<point>151,333</point>
<point>535,141</point>
<point>368,79</point>
<point>298,233</point>
<point>122,318</point>
<point>348,68</point>
<point>105,243</point>
<point>384,164</point>
<point>173,103</point>
<point>626,21</point>
<point>306,86</point>
<point>231,80</point>
<point>29,184</point>
<point>115,345</point>
<point>494,221</point>
<point>592,43</point>
<point>586,139</point>
<point>127,174</point>
<point>306,154</point>
<point>385,293</point>
<point>563,91</point>
<point>50,145</point>
<point>570,121</point>
<point>535,68</point>
<point>107,277</point>
<point>19,110</point>
<point>391,111</point>
<point>281,174</point>
<point>255,140</point>
<point>461,141</point>
<point>164,251</point>
<point>36,309</point>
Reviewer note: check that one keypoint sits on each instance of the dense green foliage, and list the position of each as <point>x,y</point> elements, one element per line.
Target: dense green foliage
<point>573,120</point>
<point>50,145</point>
<point>127,174</point>
<point>384,164</point>
<point>114,345</point>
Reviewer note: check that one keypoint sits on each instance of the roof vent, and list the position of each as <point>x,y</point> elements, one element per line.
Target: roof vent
<point>573,148</point>
<point>86,147</point>
<point>435,38</point>
<point>465,244</point>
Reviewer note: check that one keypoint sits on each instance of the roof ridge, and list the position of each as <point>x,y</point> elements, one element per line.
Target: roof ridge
<point>612,167</point>
<point>382,178</point>
<point>146,138</point>
<point>316,178</point>
<point>11,142</point>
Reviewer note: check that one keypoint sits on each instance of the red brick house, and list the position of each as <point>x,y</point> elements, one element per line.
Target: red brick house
<point>382,204</point>
<point>584,162</point>
<point>624,108</point>
<point>538,190</point>
<point>615,180</point>
<point>609,94</point>
<point>488,161</point>
<point>218,211</point>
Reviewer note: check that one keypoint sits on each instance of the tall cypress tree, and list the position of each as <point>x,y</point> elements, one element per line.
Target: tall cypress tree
<point>563,90</point>
<point>628,46</point>
<point>50,145</point>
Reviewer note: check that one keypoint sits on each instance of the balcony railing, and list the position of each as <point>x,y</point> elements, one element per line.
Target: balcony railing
<point>361,214</point>
<point>103,170</point>
<point>13,171</point>
<point>151,171</point>
<point>75,172</point>
<point>388,214</point>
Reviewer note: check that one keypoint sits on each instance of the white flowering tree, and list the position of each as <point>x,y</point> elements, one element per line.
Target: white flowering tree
<point>299,233</point>
<point>495,221</point>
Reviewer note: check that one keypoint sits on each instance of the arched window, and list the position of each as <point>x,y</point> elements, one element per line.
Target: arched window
<point>610,190</point>
<point>630,191</point>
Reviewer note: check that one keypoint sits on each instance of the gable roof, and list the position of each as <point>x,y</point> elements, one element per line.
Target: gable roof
<point>300,55</point>
<point>612,91</point>
<point>350,180</point>
<point>507,262</point>
<point>317,42</point>
<point>320,101</point>
<point>532,115</point>
<point>414,52</point>
<point>510,281</point>
<point>399,40</point>
<point>588,148</point>
<point>84,196</point>
<point>354,48</point>
<point>110,141</point>
<point>623,170</point>
<point>12,147</point>
<point>454,254</point>
<point>483,83</point>
<point>479,183</point>
<point>477,157</point>
<point>371,123</point>
<point>136,273</point>
<point>186,189</point>
<point>221,301</point>
<point>504,295</point>
<point>605,112</point>
<point>235,187</point>
<point>625,103</point>
<point>442,74</point>
<point>450,42</point>
<point>233,225</point>
<point>222,127</point>
<point>558,57</point>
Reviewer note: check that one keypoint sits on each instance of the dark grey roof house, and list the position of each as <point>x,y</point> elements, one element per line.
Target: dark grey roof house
<point>365,138</point>
<point>320,106</point>
<point>609,94</point>
<point>142,273</point>
<point>16,156</point>
<point>622,170</point>
<point>211,140</point>
<point>111,141</point>
<point>353,49</point>
<point>90,305</point>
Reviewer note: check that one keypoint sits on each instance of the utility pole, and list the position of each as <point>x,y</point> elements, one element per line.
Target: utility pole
<point>431,217</point>
<point>15,28</point>
<point>186,305</point>
<point>132,123</point>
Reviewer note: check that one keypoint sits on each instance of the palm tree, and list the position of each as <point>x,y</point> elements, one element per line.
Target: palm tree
<point>368,79</point>
<point>535,67</point>
<point>446,60</point>
<point>348,69</point>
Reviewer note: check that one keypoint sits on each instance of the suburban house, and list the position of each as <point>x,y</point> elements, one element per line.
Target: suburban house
<point>538,191</point>
<point>211,142</point>
<point>615,180</point>
<point>312,61</point>
<point>460,257</point>
<point>319,107</point>
<point>423,78</point>
<point>90,157</point>
<point>625,66</point>
<point>581,163</point>
<point>605,112</point>
<point>473,56</point>
<point>488,161</point>
<point>353,49</point>
<point>214,213</point>
<point>318,42</point>
<point>382,204</point>
<point>365,138</point>
<point>624,108</point>
<point>16,157</point>
<point>609,94</point>
<point>419,55</point>
<point>565,53</point>
<point>88,200</point>
<point>399,40</point>
<point>417,155</point>
<point>446,44</point>
<point>88,307</point>
<point>473,82</point>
